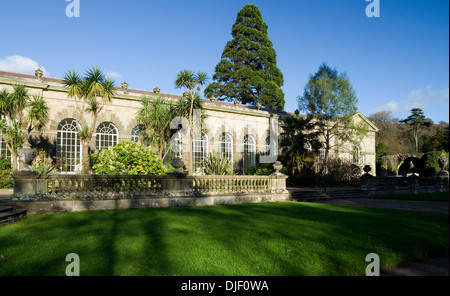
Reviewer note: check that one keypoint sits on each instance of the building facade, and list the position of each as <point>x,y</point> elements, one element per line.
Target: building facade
<point>246,134</point>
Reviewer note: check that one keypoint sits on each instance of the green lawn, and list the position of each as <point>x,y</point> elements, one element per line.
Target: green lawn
<point>286,238</point>
<point>437,196</point>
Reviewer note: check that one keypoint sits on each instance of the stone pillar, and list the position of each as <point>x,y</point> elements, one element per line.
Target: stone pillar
<point>367,180</point>
<point>25,185</point>
<point>278,183</point>
<point>177,185</point>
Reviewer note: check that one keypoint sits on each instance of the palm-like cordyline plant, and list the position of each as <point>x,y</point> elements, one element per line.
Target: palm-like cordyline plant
<point>93,85</point>
<point>39,113</point>
<point>155,116</point>
<point>15,126</point>
<point>298,133</point>
<point>73,83</point>
<point>193,83</point>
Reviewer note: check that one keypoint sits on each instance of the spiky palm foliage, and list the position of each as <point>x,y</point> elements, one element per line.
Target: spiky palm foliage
<point>39,113</point>
<point>91,86</point>
<point>298,136</point>
<point>95,80</point>
<point>93,108</point>
<point>72,81</point>
<point>193,83</point>
<point>155,115</point>
<point>216,164</point>
<point>15,124</point>
<point>108,90</point>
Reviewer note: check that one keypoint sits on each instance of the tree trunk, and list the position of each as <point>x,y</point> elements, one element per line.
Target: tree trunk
<point>14,161</point>
<point>85,157</point>
<point>190,164</point>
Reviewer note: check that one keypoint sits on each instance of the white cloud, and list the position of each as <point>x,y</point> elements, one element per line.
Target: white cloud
<point>418,99</point>
<point>431,101</point>
<point>389,106</point>
<point>443,95</point>
<point>20,64</point>
<point>113,75</point>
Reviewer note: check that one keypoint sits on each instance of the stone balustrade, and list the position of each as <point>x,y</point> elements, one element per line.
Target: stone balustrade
<point>415,183</point>
<point>32,186</point>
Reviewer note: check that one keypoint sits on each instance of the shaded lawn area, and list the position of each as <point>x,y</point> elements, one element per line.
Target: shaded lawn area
<point>286,238</point>
<point>437,196</point>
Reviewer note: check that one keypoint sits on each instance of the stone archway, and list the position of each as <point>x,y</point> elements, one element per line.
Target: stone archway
<point>393,165</point>
<point>410,165</point>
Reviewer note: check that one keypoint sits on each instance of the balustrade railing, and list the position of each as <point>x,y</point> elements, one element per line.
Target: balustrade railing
<point>231,184</point>
<point>65,186</point>
<point>370,182</point>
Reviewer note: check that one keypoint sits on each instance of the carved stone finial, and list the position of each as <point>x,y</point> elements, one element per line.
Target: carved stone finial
<point>277,166</point>
<point>367,168</point>
<point>38,73</point>
<point>125,86</point>
<point>442,161</point>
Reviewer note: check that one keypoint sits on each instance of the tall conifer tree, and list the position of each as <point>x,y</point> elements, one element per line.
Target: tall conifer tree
<point>248,70</point>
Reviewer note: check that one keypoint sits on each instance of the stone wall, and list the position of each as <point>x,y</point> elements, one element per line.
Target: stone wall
<point>236,119</point>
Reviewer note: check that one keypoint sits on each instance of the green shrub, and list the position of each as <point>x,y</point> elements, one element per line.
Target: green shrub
<point>265,169</point>
<point>344,172</point>
<point>4,163</point>
<point>42,168</point>
<point>431,164</point>
<point>216,164</point>
<point>128,158</point>
<point>262,169</point>
<point>6,181</point>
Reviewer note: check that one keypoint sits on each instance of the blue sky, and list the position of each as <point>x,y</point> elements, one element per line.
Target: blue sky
<point>395,62</point>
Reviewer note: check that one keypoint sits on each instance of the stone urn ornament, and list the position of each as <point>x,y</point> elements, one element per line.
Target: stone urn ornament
<point>26,155</point>
<point>277,167</point>
<point>443,161</point>
<point>177,163</point>
<point>367,168</point>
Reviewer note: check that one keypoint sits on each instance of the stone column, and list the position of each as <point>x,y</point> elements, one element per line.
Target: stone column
<point>25,185</point>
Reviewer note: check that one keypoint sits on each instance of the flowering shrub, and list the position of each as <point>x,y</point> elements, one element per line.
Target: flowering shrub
<point>128,158</point>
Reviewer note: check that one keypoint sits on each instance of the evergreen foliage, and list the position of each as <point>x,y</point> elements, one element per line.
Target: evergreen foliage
<point>248,70</point>
<point>417,122</point>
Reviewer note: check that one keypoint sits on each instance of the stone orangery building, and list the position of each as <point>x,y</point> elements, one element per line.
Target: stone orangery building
<point>241,132</point>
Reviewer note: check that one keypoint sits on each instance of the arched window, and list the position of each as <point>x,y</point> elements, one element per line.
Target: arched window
<point>358,158</point>
<point>226,145</point>
<point>249,153</point>
<point>68,146</point>
<point>107,135</point>
<point>136,132</point>
<point>4,151</point>
<point>199,150</point>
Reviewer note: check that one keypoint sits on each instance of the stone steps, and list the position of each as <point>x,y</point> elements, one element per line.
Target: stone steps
<point>314,195</point>
<point>8,214</point>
